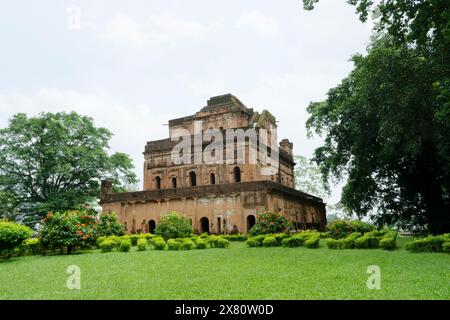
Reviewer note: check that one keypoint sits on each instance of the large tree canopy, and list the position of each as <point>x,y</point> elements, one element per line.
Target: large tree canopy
<point>387,125</point>
<point>55,162</point>
<point>308,177</point>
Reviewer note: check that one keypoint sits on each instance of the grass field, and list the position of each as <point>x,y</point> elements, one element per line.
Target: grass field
<point>235,273</point>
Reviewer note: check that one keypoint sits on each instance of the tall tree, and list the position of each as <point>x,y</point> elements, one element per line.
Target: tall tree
<point>55,162</point>
<point>387,124</point>
<point>308,177</point>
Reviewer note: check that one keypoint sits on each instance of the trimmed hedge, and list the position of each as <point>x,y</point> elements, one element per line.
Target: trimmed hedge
<point>428,244</point>
<point>142,244</point>
<point>159,243</point>
<point>106,245</point>
<point>270,242</point>
<point>446,247</point>
<point>125,245</point>
<point>201,243</point>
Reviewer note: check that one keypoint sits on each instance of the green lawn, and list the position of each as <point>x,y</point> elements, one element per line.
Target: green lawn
<point>235,273</point>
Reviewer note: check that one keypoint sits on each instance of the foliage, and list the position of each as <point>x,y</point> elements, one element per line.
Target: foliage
<point>31,246</point>
<point>172,226</point>
<point>201,243</point>
<point>11,236</point>
<point>108,225</point>
<point>159,243</point>
<point>173,244</point>
<point>269,223</point>
<point>107,245</point>
<point>389,241</point>
<point>428,244</point>
<point>387,124</point>
<point>313,242</point>
<point>346,243</point>
<point>340,229</point>
<point>308,177</point>
<point>369,240</point>
<point>187,244</point>
<point>270,242</point>
<point>54,162</point>
<point>68,230</point>
<point>142,244</point>
<point>125,245</point>
<point>446,247</point>
<point>292,242</point>
<point>221,243</point>
<point>236,237</point>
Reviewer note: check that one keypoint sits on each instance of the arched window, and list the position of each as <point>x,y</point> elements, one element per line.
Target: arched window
<point>204,225</point>
<point>151,226</point>
<point>237,174</point>
<point>158,182</point>
<point>174,182</point>
<point>212,178</point>
<point>192,179</point>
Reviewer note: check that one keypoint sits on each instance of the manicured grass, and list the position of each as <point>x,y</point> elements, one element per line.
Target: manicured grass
<point>235,273</point>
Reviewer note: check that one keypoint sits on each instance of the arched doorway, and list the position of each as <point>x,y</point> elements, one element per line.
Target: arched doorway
<point>158,183</point>
<point>251,220</point>
<point>151,226</point>
<point>174,182</point>
<point>204,225</point>
<point>192,179</point>
<point>212,178</point>
<point>237,174</point>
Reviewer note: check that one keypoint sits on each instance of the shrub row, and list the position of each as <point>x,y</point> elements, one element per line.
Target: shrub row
<point>144,241</point>
<point>439,243</point>
<point>385,239</point>
<point>307,238</point>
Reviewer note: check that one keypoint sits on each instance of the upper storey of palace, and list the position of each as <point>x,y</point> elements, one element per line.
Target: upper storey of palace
<point>221,113</point>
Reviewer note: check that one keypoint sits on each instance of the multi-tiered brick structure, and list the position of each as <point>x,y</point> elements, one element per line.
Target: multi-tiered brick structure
<point>218,197</point>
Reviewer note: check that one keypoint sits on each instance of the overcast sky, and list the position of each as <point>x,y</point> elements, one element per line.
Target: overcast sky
<point>133,65</point>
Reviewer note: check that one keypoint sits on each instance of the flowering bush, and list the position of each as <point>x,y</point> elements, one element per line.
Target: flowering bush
<point>270,223</point>
<point>68,230</point>
<point>11,236</point>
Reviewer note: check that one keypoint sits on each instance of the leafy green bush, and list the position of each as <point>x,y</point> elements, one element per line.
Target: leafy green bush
<point>446,247</point>
<point>173,226</point>
<point>32,246</point>
<point>340,229</point>
<point>252,242</point>
<point>313,241</point>
<point>186,244</point>
<point>292,242</point>
<point>236,237</point>
<point>388,242</point>
<point>108,225</point>
<point>68,230</point>
<point>221,243</point>
<point>134,239</point>
<point>159,243</point>
<point>270,223</point>
<point>201,243</point>
<point>271,242</point>
<point>11,236</point>
<point>125,245</point>
<point>428,244</point>
<point>142,244</point>
<point>106,245</point>
<point>173,244</point>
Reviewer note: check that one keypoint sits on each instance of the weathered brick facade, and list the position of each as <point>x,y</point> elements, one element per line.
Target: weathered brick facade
<point>218,198</point>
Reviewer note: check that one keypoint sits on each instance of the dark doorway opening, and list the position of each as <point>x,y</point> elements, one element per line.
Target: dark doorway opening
<point>237,174</point>
<point>204,225</point>
<point>151,226</point>
<point>192,179</point>
<point>219,225</point>
<point>158,182</point>
<point>251,221</point>
<point>212,178</point>
<point>174,183</point>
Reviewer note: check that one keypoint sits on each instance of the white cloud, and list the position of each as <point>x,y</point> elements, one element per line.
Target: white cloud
<point>157,30</point>
<point>257,21</point>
